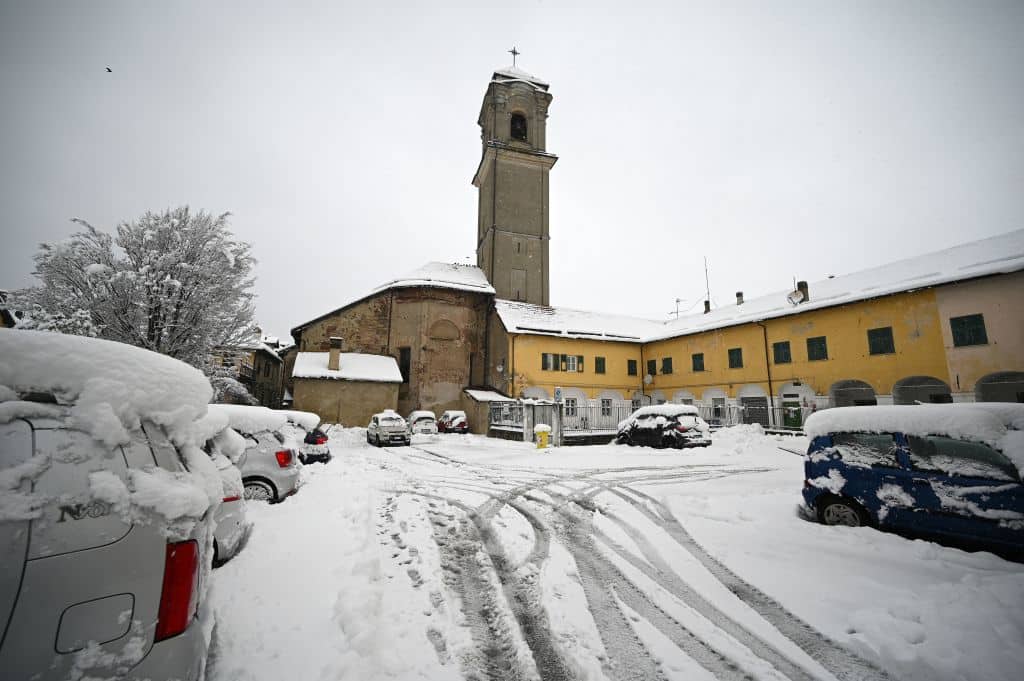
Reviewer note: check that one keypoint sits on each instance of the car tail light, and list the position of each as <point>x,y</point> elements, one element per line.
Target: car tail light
<point>284,458</point>
<point>682,428</point>
<point>180,594</point>
<point>227,499</point>
<point>320,440</point>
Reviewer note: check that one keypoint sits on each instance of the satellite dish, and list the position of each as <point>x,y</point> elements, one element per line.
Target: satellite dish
<point>795,297</point>
<point>648,379</point>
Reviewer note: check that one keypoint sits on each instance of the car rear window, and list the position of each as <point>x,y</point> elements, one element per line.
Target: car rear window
<point>936,454</point>
<point>390,420</point>
<point>870,450</point>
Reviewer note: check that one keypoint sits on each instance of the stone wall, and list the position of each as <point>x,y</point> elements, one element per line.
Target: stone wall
<point>350,403</point>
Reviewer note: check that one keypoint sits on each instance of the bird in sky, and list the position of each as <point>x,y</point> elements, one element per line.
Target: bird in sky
<point>109,70</point>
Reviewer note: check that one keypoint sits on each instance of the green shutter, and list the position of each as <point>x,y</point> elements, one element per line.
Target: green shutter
<point>579,363</point>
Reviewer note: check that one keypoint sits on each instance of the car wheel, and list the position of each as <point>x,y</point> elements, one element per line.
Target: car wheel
<point>259,490</point>
<point>377,439</point>
<point>843,512</point>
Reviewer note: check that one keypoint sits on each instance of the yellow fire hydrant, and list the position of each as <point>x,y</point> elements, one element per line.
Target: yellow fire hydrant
<point>543,433</point>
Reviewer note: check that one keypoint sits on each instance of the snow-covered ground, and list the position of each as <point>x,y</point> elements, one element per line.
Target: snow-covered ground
<point>463,557</point>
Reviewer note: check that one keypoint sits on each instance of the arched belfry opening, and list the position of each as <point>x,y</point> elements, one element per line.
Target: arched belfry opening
<point>517,129</point>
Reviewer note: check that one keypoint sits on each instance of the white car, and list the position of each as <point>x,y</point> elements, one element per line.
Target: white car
<point>269,464</point>
<point>422,423</point>
<point>224,447</point>
<point>388,428</point>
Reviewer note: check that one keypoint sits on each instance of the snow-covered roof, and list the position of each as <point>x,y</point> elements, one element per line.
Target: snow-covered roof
<point>958,421</point>
<point>528,318</point>
<point>352,366</point>
<point>487,396</point>
<point>246,419</point>
<point>112,386</point>
<point>516,73</point>
<point>999,254</point>
<point>443,275</point>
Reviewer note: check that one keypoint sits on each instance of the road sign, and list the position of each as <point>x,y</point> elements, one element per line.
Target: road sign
<point>558,394</point>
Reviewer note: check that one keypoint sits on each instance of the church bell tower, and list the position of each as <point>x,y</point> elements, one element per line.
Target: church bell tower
<point>512,184</point>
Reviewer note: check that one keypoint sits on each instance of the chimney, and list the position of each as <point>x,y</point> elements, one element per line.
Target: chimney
<point>707,306</point>
<point>739,297</point>
<point>334,358</point>
<point>802,287</point>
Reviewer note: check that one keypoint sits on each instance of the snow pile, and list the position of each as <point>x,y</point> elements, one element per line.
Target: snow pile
<point>352,366</point>
<point>246,419</point>
<point>961,422</point>
<point>112,386</point>
<point>230,444</point>
<point>541,428</point>
<point>172,496</point>
<point>305,419</point>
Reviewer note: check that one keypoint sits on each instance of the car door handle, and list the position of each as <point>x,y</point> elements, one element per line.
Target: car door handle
<point>923,481</point>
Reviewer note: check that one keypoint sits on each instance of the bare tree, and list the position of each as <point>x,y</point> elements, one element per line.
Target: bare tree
<point>175,282</point>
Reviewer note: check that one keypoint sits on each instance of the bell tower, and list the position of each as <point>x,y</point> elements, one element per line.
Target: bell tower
<point>512,184</point>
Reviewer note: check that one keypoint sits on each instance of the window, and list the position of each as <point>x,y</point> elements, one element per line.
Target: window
<point>404,361</point>
<point>698,361</point>
<point>570,406</point>
<point>652,367</point>
<point>968,330</point>
<point>666,365</point>
<point>735,358</point>
<point>817,348</point>
<point>631,367</point>
<point>782,353</point>
<point>518,127</point>
<point>599,365</point>
<point>548,361</point>
<point>880,341</point>
<point>866,449</point>
<point>606,407</point>
<point>572,363</point>
<point>945,455</point>
<point>717,407</point>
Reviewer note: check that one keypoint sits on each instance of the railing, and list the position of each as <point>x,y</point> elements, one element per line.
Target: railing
<point>782,418</point>
<point>593,418</point>
<point>507,414</point>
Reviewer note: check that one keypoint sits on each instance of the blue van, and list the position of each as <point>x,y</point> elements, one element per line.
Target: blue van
<point>943,471</point>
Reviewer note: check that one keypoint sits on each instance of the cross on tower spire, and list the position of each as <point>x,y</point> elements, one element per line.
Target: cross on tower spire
<point>515,53</point>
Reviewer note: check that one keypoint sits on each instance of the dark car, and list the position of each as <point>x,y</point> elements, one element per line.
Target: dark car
<point>940,471</point>
<point>664,425</point>
<point>453,421</point>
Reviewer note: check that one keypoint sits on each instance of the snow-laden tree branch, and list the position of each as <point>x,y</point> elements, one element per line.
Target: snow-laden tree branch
<point>175,282</point>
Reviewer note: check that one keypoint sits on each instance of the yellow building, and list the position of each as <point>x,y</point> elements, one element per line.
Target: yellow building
<point>947,326</point>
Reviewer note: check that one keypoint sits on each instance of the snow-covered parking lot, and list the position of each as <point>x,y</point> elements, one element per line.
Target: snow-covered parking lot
<point>463,557</point>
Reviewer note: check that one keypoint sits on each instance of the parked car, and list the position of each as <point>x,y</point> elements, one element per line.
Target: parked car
<point>231,528</point>
<point>453,421</point>
<point>386,428</point>
<point>664,425</point>
<point>303,426</point>
<point>101,576</point>
<point>943,471</point>
<point>422,423</point>
<point>269,464</point>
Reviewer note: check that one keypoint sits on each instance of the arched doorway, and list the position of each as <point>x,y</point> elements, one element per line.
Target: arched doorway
<point>753,404</point>
<point>925,389</point>
<point>851,393</point>
<point>1002,386</point>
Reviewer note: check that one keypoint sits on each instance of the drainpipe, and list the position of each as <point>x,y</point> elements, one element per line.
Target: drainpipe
<point>768,368</point>
<point>640,374</point>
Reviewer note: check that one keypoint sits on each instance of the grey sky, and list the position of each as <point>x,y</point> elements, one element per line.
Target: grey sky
<point>783,139</point>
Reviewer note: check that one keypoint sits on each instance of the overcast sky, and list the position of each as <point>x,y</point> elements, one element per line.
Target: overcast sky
<point>779,139</point>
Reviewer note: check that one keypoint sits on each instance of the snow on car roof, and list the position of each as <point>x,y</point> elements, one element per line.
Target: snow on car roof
<point>519,317</point>
<point>307,419</point>
<point>667,410</point>
<point>352,366</point>
<point>421,414</point>
<point>111,386</point>
<point>246,419</point>
<point>487,396</point>
<point>957,421</point>
<point>1010,414</point>
<point>443,275</point>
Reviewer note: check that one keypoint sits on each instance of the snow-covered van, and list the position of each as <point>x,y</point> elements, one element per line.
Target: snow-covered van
<point>106,509</point>
<point>946,471</point>
<point>269,465</point>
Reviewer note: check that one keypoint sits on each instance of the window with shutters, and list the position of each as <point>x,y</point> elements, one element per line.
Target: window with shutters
<point>698,361</point>
<point>666,365</point>
<point>817,348</point>
<point>548,361</point>
<point>968,330</point>
<point>735,358</point>
<point>599,365</point>
<point>631,367</point>
<point>880,341</point>
<point>572,363</point>
<point>652,367</point>
<point>782,353</point>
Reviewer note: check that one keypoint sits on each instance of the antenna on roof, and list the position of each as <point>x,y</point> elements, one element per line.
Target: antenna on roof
<point>707,286</point>
<point>676,313</point>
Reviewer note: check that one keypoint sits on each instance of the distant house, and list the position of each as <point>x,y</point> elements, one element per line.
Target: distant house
<point>345,387</point>
<point>258,368</point>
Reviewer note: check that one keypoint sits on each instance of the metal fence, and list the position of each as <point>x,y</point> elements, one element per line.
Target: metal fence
<point>781,418</point>
<point>593,418</point>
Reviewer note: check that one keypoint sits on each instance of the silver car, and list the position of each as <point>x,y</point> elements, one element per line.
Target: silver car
<point>388,428</point>
<point>89,587</point>
<point>269,465</point>
<point>231,529</point>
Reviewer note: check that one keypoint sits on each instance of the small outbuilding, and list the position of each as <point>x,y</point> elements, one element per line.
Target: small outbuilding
<point>345,387</point>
